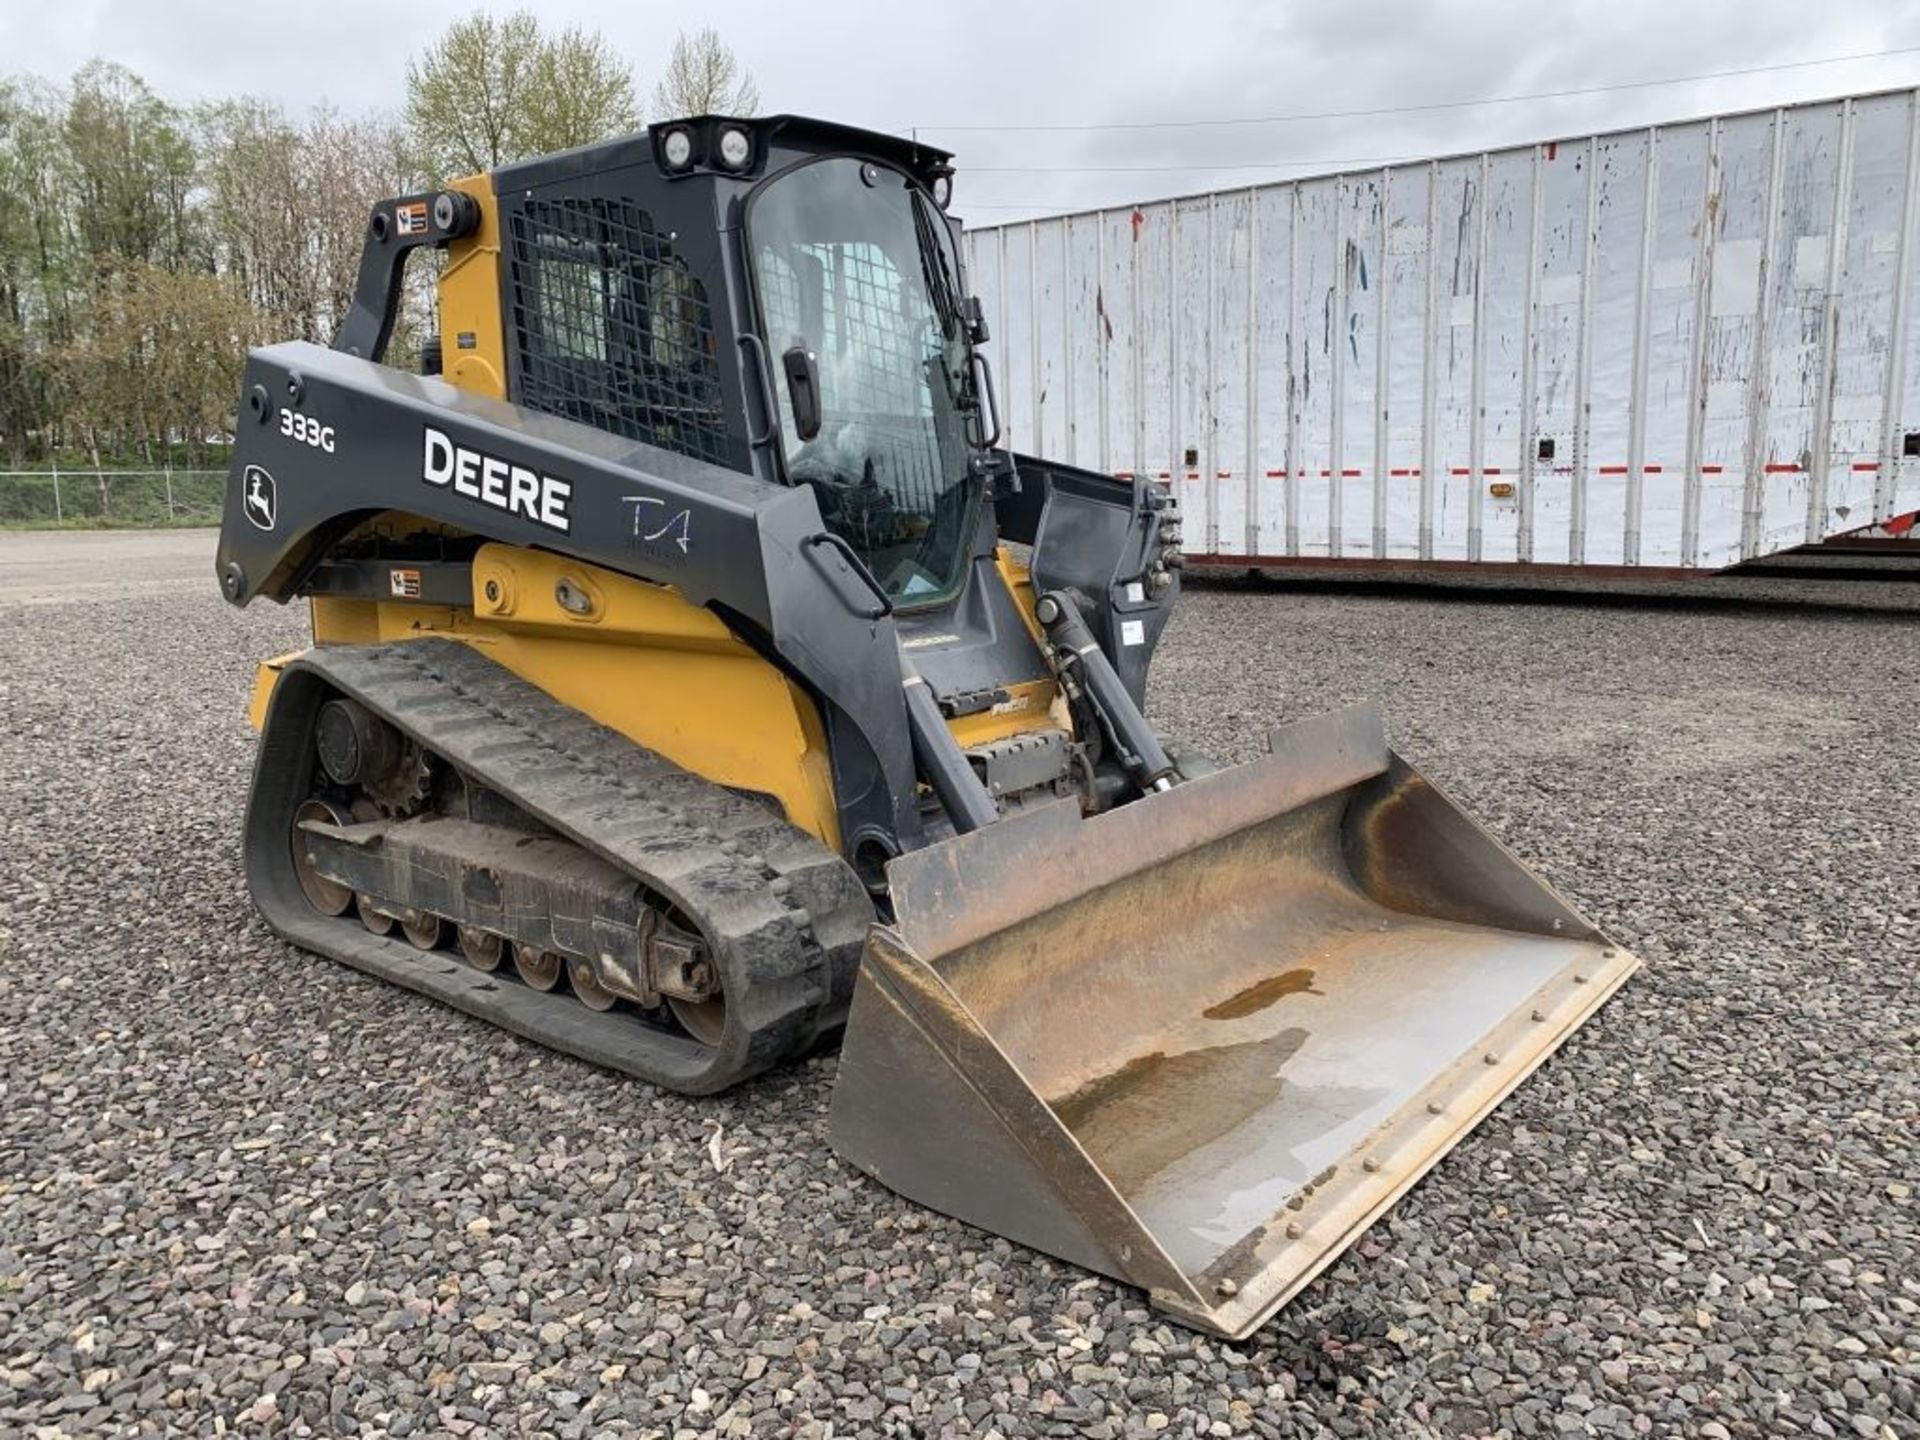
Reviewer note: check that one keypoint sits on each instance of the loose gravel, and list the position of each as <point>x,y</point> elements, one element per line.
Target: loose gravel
<point>243,1189</point>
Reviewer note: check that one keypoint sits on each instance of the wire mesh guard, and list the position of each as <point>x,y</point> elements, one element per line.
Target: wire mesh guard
<point>611,329</point>
<point>873,368</point>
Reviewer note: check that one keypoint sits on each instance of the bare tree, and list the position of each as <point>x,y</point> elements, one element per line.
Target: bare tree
<point>159,356</point>
<point>705,77</point>
<point>490,91</point>
<point>287,205</point>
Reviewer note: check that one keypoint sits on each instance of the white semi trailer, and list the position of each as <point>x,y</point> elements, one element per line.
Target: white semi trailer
<point>1666,350</point>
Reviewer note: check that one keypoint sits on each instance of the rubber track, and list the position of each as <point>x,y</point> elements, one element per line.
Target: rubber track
<point>784,915</point>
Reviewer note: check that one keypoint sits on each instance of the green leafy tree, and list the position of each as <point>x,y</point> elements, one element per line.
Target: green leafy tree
<point>492,91</point>
<point>705,77</point>
<point>134,167</point>
<point>38,259</point>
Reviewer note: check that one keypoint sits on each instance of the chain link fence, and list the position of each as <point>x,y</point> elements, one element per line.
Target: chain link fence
<point>111,497</point>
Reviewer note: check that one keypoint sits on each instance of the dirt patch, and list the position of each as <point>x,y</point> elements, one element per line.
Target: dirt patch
<point>1715,729</point>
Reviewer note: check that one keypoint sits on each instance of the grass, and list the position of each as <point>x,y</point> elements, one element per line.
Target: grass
<point>113,522</point>
<point>144,500</point>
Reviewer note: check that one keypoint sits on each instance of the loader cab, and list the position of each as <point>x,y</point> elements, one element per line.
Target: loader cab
<point>781,296</point>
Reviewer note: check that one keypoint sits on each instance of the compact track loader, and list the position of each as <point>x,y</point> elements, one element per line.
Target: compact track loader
<point>695,679</point>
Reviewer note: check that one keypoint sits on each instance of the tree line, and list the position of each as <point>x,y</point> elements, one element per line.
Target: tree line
<point>146,245</point>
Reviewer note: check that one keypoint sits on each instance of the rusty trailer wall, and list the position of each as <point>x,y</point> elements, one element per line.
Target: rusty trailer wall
<point>1675,347</point>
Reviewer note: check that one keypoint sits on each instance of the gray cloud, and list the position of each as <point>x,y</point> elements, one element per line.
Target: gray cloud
<point>892,67</point>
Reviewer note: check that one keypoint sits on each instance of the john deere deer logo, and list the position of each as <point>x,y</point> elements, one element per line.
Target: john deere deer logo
<point>258,499</point>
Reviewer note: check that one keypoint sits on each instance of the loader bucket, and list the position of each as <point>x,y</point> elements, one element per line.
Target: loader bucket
<point>1200,1042</point>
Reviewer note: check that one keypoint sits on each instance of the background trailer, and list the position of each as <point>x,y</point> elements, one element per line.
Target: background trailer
<point>1672,348</point>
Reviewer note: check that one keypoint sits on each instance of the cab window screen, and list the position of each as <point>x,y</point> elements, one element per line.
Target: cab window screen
<point>611,329</point>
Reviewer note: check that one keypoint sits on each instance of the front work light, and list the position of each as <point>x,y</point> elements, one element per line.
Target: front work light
<point>735,148</point>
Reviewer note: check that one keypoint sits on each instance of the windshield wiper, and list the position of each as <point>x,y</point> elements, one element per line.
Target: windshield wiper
<point>933,266</point>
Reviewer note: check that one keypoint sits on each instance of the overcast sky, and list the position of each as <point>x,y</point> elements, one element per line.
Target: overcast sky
<point>894,66</point>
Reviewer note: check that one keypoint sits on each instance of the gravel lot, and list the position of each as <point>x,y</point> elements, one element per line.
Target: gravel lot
<point>244,1188</point>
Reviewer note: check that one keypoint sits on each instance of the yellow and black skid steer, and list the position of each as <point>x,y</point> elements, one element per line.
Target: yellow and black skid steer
<point>695,680</point>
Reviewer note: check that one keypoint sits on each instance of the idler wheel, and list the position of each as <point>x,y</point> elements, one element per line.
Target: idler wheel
<point>329,897</point>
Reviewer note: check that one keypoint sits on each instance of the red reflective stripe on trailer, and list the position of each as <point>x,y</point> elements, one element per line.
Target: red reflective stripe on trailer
<point>1459,470</point>
<point>1223,474</point>
<point>1865,465</point>
<point>1350,474</point>
<point>1782,469</point>
<point>1651,469</point>
<point>1123,474</point>
<point>1712,469</point>
<point>1276,474</point>
<point>1493,471</point>
<point>1405,474</point>
<point>1615,469</point>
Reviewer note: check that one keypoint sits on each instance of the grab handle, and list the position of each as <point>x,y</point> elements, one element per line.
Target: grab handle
<point>987,399</point>
<point>884,602</point>
<point>763,366</point>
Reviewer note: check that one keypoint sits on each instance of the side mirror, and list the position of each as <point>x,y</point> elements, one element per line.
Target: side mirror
<point>976,317</point>
<point>803,390</point>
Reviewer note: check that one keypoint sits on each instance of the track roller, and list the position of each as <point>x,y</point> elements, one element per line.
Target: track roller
<point>376,921</point>
<point>586,985</point>
<point>423,931</point>
<point>537,969</point>
<point>482,950</point>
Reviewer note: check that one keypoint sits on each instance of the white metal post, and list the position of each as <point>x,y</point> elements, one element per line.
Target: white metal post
<point>1176,459</point>
<point>1006,338</point>
<point>1760,377</point>
<point>1294,344</point>
<point>1252,407</point>
<point>1529,362</point>
<point>1429,367</point>
<point>1583,367</point>
<point>1697,362</point>
<point>1038,439</point>
<point>1067,347</point>
<point>1211,459</point>
<point>1102,334</point>
<point>1477,421</point>
<point>1637,383</point>
<point>1820,461</point>
<point>1382,366</point>
<point>1890,404</point>
<point>1337,369</point>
